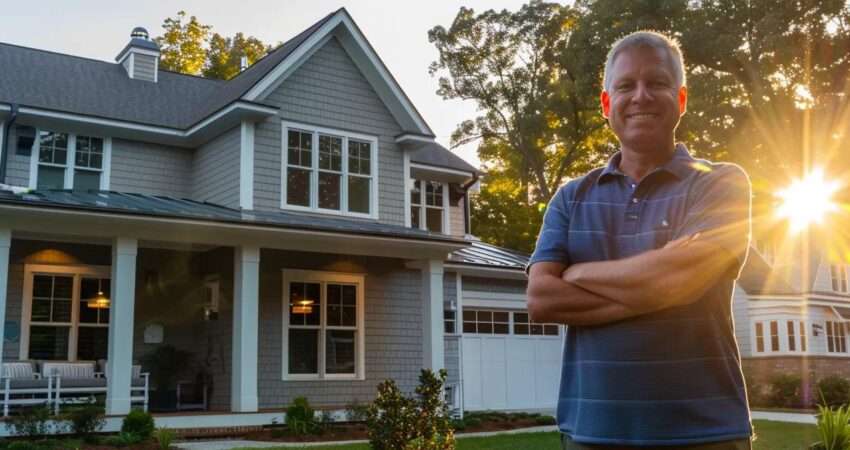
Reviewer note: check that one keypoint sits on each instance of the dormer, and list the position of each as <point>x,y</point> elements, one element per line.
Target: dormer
<point>140,57</point>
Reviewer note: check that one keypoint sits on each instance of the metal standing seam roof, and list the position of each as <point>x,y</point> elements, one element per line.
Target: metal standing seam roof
<point>60,82</point>
<point>488,255</point>
<point>111,202</point>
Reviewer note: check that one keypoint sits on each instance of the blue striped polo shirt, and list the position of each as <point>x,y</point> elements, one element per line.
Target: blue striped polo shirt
<point>672,377</point>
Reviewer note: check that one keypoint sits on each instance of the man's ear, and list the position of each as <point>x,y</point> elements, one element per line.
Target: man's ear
<point>605,101</point>
<point>683,100</point>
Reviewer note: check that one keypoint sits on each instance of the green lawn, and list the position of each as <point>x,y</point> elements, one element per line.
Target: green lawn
<point>770,436</point>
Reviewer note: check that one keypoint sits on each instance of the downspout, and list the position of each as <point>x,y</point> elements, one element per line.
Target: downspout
<point>467,226</point>
<point>4,148</point>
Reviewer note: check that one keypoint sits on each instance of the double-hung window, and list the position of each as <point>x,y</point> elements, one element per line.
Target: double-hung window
<point>329,171</point>
<point>323,325</point>
<point>69,161</point>
<point>836,338</point>
<point>429,202</point>
<point>65,314</point>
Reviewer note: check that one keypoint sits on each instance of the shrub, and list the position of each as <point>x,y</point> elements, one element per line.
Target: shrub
<point>123,439</point>
<point>834,391</point>
<point>31,422</point>
<point>472,422</point>
<point>164,437</point>
<point>545,420</point>
<point>399,422</point>
<point>833,428</point>
<point>458,424</point>
<point>138,423</point>
<point>300,417</point>
<point>785,391</point>
<point>86,420</point>
<point>24,445</point>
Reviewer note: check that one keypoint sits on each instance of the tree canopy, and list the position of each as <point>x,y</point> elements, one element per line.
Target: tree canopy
<point>767,84</point>
<point>190,47</point>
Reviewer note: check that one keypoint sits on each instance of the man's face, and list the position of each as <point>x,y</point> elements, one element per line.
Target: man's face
<point>644,104</point>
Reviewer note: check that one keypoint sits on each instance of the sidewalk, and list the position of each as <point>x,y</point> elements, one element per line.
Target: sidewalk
<point>785,417</point>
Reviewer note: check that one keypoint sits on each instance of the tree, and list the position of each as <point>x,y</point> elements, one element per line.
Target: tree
<point>225,54</point>
<point>190,47</point>
<point>182,46</point>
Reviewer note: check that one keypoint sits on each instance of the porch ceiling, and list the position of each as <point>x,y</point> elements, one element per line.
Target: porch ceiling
<point>163,219</point>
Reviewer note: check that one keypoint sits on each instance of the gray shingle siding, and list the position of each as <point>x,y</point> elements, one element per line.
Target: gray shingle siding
<point>451,347</point>
<point>456,219</point>
<point>215,170</point>
<point>144,67</point>
<point>150,169</point>
<point>17,166</point>
<point>741,316</point>
<point>329,91</point>
<point>493,285</point>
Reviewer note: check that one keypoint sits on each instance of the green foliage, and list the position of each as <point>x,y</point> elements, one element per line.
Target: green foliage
<point>785,391</point>
<point>191,47</point>
<point>139,424</point>
<point>300,417</point>
<point>834,391</point>
<point>396,421</point>
<point>123,439</point>
<point>356,411</point>
<point>182,44</point>
<point>31,422</point>
<point>833,428</point>
<point>164,437</point>
<point>85,420</point>
<point>545,420</point>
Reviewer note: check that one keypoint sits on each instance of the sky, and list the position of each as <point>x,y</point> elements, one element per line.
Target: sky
<point>398,30</point>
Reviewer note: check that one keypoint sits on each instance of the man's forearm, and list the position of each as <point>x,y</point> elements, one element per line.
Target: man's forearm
<point>551,299</point>
<point>653,280</point>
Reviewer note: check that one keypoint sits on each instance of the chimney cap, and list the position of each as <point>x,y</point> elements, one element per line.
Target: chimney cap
<point>139,33</point>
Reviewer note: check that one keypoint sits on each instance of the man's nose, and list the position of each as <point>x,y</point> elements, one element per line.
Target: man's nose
<point>642,93</point>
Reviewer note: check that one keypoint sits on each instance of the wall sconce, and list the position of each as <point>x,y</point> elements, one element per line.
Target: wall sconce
<point>817,329</point>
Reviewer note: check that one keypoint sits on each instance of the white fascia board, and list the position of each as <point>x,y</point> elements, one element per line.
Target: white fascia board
<point>164,131</point>
<point>492,272</point>
<point>407,137</point>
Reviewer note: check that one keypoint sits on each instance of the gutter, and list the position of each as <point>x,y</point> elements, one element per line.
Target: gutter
<point>4,147</point>
<point>467,222</point>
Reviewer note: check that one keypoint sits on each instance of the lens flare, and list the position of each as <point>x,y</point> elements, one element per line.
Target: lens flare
<point>807,201</point>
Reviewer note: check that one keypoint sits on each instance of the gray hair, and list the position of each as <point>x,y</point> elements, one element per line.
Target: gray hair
<point>652,39</point>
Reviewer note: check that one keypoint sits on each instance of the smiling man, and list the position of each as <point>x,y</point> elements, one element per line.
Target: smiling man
<point>639,259</point>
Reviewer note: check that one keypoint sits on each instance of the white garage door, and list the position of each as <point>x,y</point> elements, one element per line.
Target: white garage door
<point>509,363</point>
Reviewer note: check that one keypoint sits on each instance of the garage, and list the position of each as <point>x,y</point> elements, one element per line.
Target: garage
<point>508,362</point>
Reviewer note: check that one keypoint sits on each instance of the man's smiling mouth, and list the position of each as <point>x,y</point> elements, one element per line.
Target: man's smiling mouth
<point>642,116</point>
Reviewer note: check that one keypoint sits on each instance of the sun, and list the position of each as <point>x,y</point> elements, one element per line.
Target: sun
<point>807,201</point>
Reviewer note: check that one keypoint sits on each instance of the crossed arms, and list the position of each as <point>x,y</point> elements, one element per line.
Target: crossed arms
<point>601,292</point>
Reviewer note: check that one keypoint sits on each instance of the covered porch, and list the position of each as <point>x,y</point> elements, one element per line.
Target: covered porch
<point>252,311</point>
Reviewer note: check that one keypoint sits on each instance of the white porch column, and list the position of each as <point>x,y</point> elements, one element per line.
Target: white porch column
<point>432,325</point>
<point>246,278</point>
<point>5,244</point>
<point>122,297</point>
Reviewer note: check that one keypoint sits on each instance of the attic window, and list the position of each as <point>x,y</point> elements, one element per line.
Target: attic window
<point>69,161</point>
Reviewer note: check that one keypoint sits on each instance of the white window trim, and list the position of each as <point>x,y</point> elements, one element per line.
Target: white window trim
<point>312,276</point>
<point>423,208</point>
<point>838,277</point>
<point>70,161</point>
<point>314,170</point>
<point>826,335</point>
<point>511,333</point>
<point>77,272</point>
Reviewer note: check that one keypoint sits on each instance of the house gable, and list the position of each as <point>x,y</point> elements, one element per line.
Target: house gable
<point>330,91</point>
<point>342,28</point>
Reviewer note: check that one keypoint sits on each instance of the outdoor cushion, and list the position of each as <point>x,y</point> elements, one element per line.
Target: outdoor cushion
<point>68,369</point>
<point>68,383</point>
<point>17,370</point>
<point>24,383</point>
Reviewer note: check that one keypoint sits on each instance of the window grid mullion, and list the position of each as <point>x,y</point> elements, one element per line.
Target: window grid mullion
<point>323,320</point>
<point>314,170</point>
<point>344,181</point>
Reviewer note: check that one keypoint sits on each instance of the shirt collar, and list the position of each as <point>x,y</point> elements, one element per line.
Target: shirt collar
<point>680,165</point>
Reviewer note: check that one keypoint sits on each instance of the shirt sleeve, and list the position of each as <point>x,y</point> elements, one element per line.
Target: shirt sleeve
<point>719,210</point>
<point>552,240</point>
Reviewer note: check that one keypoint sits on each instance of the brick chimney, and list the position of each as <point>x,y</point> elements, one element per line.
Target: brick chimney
<point>140,57</point>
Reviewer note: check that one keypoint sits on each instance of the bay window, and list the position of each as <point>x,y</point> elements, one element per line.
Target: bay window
<point>323,331</point>
<point>65,313</point>
<point>329,171</point>
<point>69,161</point>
